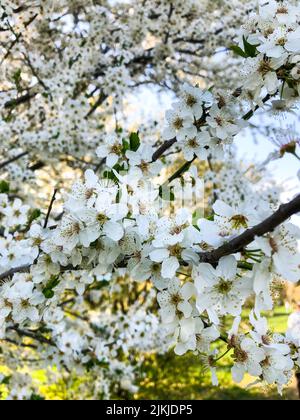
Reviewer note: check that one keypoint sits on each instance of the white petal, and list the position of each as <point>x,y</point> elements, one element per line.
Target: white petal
<point>113,230</point>
<point>159,255</point>
<point>238,373</point>
<point>169,267</point>
<point>227,267</point>
<point>186,308</point>
<point>222,209</point>
<point>180,349</point>
<point>112,160</point>
<point>187,291</point>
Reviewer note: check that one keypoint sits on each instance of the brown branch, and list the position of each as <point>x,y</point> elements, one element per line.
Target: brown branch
<point>239,243</point>
<point>163,148</point>
<point>50,208</point>
<point>31,334</point>
<point>169,143</point>
<point>12,271</point>
<point>18,101</point>
<point>13,159</point>
<point>98,103</point>
<point>10,341</point>
<point>17,37</point>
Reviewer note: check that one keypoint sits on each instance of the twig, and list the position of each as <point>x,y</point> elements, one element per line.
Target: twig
<point>50,208</point>
<point>12,271</point>
<point>13,159</point>
<point>98,103</point>
<point>169,143</point>
<point>32,334</point>
<point>163,148</point>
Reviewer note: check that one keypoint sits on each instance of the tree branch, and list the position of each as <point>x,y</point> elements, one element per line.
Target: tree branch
<point>163,148</point>
<point>12,271</point>
<point>32,334</point>
<point>169,143</point>
<point>13,159</point>
<point>18,101</point>
<point>98,103</point>
<point>237,244</point>
<point>50,208</point>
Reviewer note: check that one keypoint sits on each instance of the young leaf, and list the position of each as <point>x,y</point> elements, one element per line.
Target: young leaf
<point>238,51</point>
<point>48,290</point>
<point>250,50</point>
<point>134,142</point>
<point>4,187</point>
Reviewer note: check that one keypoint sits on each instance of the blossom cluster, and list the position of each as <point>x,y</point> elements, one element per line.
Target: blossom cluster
<point>79,288</point>
<point>274,65</point>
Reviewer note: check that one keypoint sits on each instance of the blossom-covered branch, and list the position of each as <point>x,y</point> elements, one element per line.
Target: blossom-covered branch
<point>146,247</point>
<point>240,243</point>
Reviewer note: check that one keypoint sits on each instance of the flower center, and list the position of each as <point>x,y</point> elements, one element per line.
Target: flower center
<point>239,221</point>
<point>288,148</point>
<point>219,121</point>
<point>176,299</point>
<point>89,193</point>
<point>178,123</point>
<point>264,67</point>
<point>281,41</point>
<point>267,362</point>
<point>175,251</point>
<point>191,101</point>
<point>101,219</point>
<point>224,287</point>
<point>73,229</point>
<point>25,303</point>
<point>193,143</point>
<point>144,166</point>
<point>282,10</point>
<point>116,148</point>
<point>240,355</point>
<point>273,245</point>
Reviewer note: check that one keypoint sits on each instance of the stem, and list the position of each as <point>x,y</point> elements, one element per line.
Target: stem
<point>50,208</point>
<point>223,355</point>
<point>296,155</point>
<point>13,159</point>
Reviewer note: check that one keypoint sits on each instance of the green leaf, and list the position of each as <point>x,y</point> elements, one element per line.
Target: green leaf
<point>35,397</point>
<point>134,142</point>
<point>34,214</point>
<point>96,363</point>
<point>17,78</point>
<point>250,50</point>
<point>49,294</point>
<point>101,284</point>
<point>5,380</point>
<point>245,265</point>
<point>48,290</point>
<point>110,175</point>
<point>4,187</point>
<point>238,51</point>
<point>126,146</point>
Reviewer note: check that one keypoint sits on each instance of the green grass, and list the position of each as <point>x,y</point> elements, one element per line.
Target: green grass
<point>173,377</point>
<point>168,377</point>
